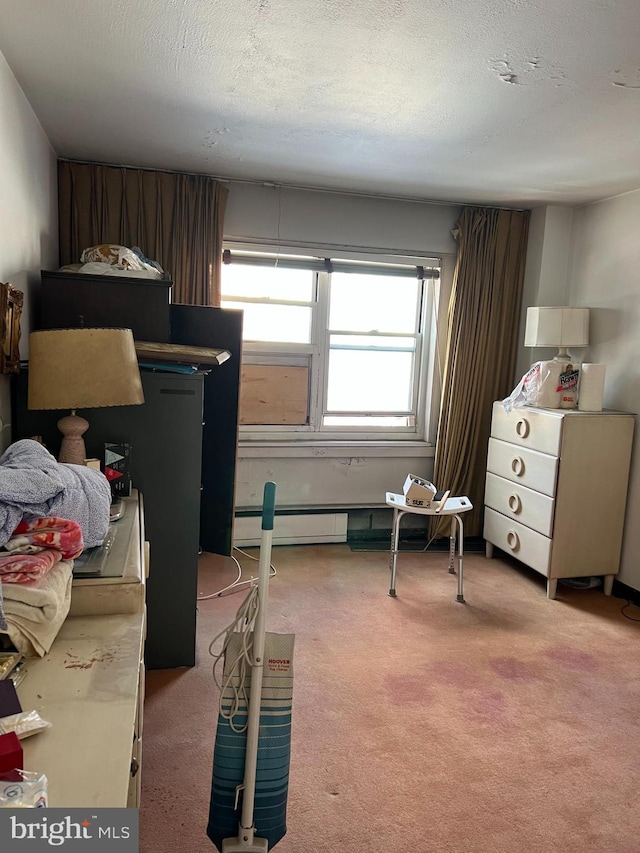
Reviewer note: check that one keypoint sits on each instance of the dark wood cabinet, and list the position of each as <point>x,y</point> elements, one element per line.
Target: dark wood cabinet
<point>165,434</point>
<point>68,300</point>
<point>197,325</point>
<point>144,306</point>
<point>184,439</point>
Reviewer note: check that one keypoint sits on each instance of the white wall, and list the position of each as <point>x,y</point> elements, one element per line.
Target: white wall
<point>323,476</point>
<point>355,476</point>
<point>28,210</point>
<point>604,274</point>
<point>546,273</point>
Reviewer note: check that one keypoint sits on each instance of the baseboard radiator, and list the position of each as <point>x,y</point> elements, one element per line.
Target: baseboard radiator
<point>304,529</point>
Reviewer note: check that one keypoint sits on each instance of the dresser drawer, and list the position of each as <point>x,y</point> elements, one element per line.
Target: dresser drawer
<point>533,509</point>
<point>531,548</point>
<point>539,430</point>
<point>536,471</point>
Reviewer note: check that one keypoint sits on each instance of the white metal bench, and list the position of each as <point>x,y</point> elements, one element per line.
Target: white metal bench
<point>454,507</point>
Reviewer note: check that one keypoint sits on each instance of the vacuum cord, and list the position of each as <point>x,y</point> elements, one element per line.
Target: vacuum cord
<point>234,681</point>
<point>235,585</point>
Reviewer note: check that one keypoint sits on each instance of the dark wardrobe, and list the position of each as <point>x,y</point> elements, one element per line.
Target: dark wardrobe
<point>165,435</point>
<point>183,456</point>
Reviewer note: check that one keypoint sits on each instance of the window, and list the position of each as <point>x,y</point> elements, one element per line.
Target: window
<point>335,347</point>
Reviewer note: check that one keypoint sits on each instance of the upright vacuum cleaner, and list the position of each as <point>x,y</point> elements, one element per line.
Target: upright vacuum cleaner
<point>250,780</point>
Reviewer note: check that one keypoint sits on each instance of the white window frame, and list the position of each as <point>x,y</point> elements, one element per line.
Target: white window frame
<point>315,355</point>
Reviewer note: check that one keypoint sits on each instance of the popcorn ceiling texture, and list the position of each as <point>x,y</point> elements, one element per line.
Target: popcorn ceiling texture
<point>496,101</point>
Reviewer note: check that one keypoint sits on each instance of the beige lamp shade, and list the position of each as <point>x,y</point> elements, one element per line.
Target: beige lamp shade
<point>557,327</point>
<point>82,369</point>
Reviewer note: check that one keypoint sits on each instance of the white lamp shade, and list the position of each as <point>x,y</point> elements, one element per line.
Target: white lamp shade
<point>557,327</point>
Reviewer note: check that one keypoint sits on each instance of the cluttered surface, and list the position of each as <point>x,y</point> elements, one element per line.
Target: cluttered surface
<point>85,687</point>
<point>71,649</point>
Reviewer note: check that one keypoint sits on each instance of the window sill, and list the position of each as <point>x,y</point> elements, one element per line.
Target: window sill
<point>333,449</point>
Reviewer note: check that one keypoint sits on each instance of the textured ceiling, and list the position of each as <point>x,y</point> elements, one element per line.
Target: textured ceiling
<point>497,101</point>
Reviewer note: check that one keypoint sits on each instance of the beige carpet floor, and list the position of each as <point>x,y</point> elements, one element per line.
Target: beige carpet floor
<point>509,723</point>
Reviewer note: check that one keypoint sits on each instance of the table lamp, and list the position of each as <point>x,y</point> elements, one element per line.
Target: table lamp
<point>82,368</point>
<point>561,327</point>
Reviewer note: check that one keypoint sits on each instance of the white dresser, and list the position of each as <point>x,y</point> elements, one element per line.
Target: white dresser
<point>91,687</point>
<point>556,490</point>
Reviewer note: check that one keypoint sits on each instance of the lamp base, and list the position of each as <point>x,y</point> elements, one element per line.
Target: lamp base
<point>564,358</point>
<point>72,449</point>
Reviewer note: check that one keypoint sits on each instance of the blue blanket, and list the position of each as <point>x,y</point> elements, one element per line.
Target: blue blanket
<point>33,484</point>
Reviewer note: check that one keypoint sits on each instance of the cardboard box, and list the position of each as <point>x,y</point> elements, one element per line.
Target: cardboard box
<point>117,468</point>
<point>418,492</point>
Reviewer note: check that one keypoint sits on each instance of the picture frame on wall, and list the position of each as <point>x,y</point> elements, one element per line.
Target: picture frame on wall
<point>11,301</point>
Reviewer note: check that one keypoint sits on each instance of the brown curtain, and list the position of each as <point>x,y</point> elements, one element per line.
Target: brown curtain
<point>482,330</point>
<point>175,219</point>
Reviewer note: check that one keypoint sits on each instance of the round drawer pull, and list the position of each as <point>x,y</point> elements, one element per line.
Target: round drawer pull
<point>515,504</point>
<point>522,428</point>
<point>513,540</point>
<point>517,466</point>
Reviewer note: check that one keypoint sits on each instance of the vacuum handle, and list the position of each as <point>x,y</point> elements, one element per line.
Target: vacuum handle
<point>268,505</point>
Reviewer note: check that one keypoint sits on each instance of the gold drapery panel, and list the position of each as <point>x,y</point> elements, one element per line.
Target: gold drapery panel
<point>176,219</point>
<point>482,337</point>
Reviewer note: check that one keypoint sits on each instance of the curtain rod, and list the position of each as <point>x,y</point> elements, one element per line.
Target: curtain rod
<point>307,188</point>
